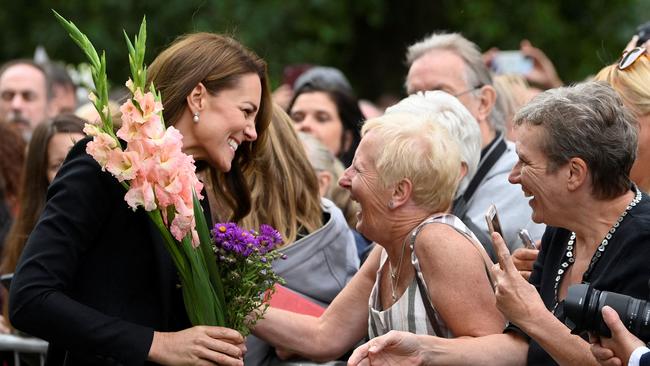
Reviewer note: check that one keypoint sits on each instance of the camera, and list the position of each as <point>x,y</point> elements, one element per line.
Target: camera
<point>584,303</point>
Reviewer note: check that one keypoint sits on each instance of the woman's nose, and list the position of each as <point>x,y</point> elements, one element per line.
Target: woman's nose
<point>250,133</point>
<point>345,180</point>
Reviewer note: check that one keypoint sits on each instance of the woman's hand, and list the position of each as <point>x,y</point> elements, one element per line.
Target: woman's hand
<point>524,258</point>
<point>543,73</point>
<point>617,349</point>
<point>517,299</point>
<point>393,348</point>
<point>200,345</point>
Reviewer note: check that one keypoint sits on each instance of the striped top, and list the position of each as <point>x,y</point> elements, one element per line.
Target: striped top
<point>408,313</point>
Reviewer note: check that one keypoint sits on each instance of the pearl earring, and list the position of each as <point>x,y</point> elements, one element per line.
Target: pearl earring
<point>391,204</point>
<point>196,117</point>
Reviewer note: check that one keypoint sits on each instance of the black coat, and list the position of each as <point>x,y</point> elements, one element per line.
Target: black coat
<point>94,279</point>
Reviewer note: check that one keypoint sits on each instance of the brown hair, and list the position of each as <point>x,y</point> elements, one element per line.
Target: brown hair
<point>285,188</point>
<point>33,188</point>
<point>218,62</point>
<point>12,150</point>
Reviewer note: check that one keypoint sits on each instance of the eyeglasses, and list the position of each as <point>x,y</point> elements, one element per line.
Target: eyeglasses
<point>630,57</point>
<point>479,86</point>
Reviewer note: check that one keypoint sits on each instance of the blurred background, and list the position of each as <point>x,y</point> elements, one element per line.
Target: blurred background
<point>366,39</point>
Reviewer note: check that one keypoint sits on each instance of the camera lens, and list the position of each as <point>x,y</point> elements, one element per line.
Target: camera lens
<point>583,306</point>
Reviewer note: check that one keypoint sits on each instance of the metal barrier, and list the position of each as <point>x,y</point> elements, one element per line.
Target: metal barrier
<point>18,345</point>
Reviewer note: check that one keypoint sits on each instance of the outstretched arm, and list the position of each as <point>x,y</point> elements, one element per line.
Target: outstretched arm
<point>341,326</point>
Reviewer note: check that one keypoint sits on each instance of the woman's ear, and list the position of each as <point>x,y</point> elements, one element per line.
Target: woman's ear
<point>401,192</point>
<point>196,99</point>
<point>577,173</point>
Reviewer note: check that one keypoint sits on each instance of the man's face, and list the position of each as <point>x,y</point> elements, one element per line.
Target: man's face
<point>23,96</point>
<point>443,70</point>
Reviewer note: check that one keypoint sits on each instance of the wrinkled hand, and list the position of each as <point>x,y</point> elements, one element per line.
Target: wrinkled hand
<point>517,299</point>
<point>524,258</point>
<point>393,348</point>
<point>200,345</point>
<point>617,349</point>
<point>543,73</point>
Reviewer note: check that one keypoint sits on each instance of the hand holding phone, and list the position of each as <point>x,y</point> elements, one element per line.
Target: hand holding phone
<point>492,220</point>
<point>526,239</point>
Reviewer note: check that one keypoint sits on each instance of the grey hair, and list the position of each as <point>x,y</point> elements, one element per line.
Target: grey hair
<point>587,121</point>
<point>450,113</point>
<point>476,72</point>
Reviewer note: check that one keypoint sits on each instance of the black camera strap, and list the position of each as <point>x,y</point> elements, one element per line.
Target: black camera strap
<point>460,205</point>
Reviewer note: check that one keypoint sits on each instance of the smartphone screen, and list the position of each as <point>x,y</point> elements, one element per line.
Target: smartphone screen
<point>492,220</point>
<point>511,62</point>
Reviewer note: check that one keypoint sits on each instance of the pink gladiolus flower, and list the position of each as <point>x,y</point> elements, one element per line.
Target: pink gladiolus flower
<point>123,164</point>
<point>148,104</point>
<point>91,129</point>
<point>141,194</point>
<point>100,147</point>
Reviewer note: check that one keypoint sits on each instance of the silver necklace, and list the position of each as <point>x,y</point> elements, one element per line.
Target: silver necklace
<point>394,275</point>
<point>569,257</point>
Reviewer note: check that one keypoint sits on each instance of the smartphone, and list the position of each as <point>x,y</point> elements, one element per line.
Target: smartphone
<point>511,62</point>
<point>526,239</point>
<point>492,220</point>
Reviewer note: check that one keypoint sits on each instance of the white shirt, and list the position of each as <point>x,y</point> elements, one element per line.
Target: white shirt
<point>635,357</point>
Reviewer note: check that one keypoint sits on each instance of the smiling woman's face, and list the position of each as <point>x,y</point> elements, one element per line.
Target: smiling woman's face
<point>227,121</point>
<point>366,188</point>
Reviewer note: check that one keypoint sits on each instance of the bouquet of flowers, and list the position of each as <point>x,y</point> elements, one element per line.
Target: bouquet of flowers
<point>245,259</point>
<point>160,178</point>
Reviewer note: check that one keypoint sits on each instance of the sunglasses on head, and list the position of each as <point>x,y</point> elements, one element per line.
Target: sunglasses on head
<point>630,57</point>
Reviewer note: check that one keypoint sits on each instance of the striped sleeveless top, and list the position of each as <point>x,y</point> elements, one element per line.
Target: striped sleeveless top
<point>408,313</point>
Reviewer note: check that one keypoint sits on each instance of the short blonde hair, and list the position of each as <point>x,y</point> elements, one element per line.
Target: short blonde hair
<point>418,148</point>
<point>450,113</point>
<point>632,84</point>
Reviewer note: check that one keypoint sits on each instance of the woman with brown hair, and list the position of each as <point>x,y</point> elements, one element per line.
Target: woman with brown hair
<point>95,279</point>
<point>46,151</point>
<point>320,249</point>
<point>12,151</point>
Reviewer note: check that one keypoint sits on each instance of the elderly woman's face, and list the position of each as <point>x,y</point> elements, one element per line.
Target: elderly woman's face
<point>316,113</point>
<point>544,189</point>
<point>362,180</point>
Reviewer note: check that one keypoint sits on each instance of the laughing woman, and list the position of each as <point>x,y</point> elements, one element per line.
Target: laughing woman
<point>427,275</point>
<point>95,279</point>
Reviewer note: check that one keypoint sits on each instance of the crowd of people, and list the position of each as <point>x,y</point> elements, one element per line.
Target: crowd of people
<point>382,210</point>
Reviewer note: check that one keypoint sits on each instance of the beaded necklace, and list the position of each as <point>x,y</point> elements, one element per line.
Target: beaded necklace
<point>569,256</point>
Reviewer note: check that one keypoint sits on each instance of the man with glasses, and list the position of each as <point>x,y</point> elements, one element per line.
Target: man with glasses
<point>453,64</point>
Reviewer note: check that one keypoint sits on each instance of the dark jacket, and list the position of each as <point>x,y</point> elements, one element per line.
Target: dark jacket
<point>94,279</point>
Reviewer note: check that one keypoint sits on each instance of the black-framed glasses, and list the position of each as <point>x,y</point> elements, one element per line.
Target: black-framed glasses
<point>479,86</point>
<point>630,57</point>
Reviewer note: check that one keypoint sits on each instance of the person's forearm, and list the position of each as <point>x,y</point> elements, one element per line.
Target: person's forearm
<point>556,339</point>
<point>508,349</point>
<point>304,335</point>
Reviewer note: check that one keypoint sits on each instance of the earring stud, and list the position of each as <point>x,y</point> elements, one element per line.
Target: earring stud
<point>391,204</point>
<point>196,117</point>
